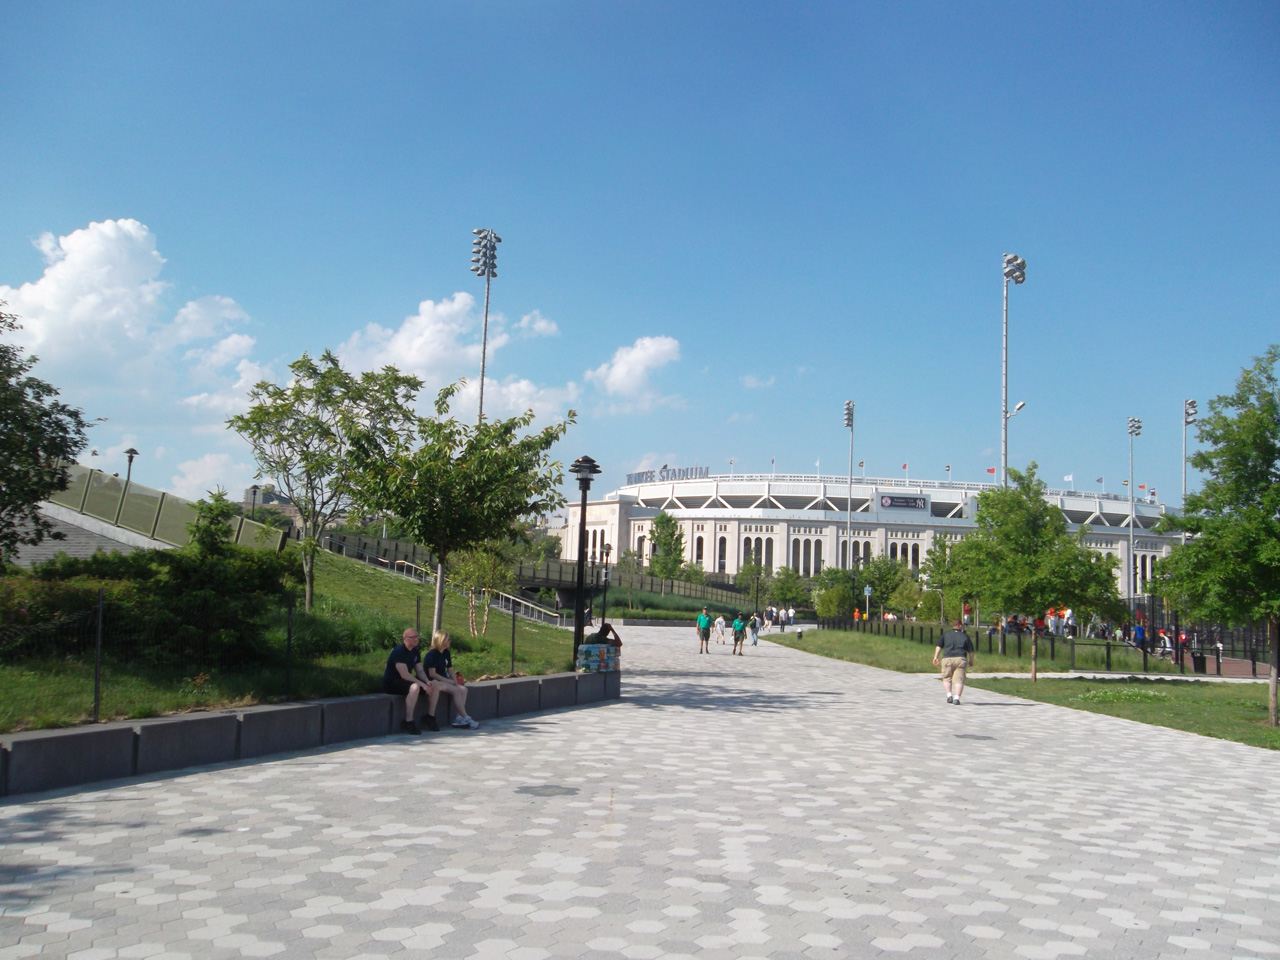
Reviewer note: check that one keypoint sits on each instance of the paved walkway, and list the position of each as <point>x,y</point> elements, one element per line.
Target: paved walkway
<point>774,805</point>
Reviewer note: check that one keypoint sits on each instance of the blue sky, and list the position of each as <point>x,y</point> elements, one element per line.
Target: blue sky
<point>719,221</point>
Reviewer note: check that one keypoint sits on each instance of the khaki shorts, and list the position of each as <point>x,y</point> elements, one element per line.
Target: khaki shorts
<point>955,668</point>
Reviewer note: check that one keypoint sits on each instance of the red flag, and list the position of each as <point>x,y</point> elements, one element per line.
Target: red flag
<point>1099,480</point>
<point>904,466</point>
<point>991,469</point>
<point>1142,486</point>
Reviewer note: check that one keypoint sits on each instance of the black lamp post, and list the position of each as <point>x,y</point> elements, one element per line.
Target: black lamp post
<point>128,475</point>
<point>584,468</point>
<point>253,502</point>
<point>604,613</point>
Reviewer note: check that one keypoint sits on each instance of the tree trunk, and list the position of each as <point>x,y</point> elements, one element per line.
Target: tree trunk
<point>437,618</point>
<point>484,624</point>
<point>308,575</point>
<point>471,611</point>
<point>1034,649</point>
<point>1273,713</point>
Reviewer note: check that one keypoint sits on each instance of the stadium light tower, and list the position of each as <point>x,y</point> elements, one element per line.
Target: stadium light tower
<point>848,525</point>
<point>1135,430</point>
<point>484,263</point>
<point>1190,413</point>
<point>1015,271</point>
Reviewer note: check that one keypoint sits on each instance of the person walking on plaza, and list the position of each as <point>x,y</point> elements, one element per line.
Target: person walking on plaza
<point>404,677</point>
<point>703,630</point>
<point>720,627</point>
<point>791,616</point>
<point>739,632</point>
<point>753,628</point>
<point>955,650</point>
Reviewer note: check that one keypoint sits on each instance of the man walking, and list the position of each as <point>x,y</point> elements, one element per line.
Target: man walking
<point>955,650</point>
<point>704,632</point>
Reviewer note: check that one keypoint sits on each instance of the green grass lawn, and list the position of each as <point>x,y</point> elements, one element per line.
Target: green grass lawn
<point>58,692</point>
<point>1229,711</point>
<point>913,656</point>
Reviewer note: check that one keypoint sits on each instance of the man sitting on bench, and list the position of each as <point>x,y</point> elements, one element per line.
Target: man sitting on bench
<point>403,677</point>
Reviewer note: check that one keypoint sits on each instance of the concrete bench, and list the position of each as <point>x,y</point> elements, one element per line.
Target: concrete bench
<point>39,760</point>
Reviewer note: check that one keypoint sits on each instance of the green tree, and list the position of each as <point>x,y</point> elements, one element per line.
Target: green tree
<point>787,589</point>
<point>1022,559</point>
<point>38,434</point>
<point>453,485</point>
<point>755,580</point>
<point>692,573</point>
<point>833,592</point>
<point>668,547</point>
<point>481,572</point>
<point>626,574</point>
<point>883,575</point>
<point>1230,568</point>
<point>301,435</point>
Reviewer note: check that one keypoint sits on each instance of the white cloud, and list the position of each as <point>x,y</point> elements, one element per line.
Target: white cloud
<point>752,382</point>
<point>233,398</point>
<point>227,349</point>
<point>97,299</point>
<point>536,325</point>
<point>198,477</point>
<point>626,375</point>
<point>204,318</point>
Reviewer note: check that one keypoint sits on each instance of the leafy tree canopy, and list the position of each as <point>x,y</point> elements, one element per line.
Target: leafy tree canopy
<point>668,547</point>
<point>301,435</point>
<point>454,485</point>
<point>37,434</point>
<point>1022,557</point>
<point>1230,568</point>
<point>787,589</point>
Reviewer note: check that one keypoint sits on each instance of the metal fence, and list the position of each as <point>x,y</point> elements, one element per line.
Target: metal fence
<point>1199,654</point>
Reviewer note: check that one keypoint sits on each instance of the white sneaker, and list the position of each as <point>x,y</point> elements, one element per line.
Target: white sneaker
<point>458,722</point>
<point>472,724</point>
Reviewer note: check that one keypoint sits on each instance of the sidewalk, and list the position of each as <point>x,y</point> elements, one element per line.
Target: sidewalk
<point>775,805</point>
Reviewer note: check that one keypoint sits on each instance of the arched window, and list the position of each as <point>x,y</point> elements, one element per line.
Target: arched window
<point>724,554</point>
<point>866,551</point>
<point>795,554</point>
<point>915,555</point>
<point>893,551</point>
<point>817,557</point>
<point>768,554</point>
<point>640,549</point>
<point>757,553</point>
<point>746,549</point>
<point>808,558</point>
<point>844,555</point>
<point>697,551</point>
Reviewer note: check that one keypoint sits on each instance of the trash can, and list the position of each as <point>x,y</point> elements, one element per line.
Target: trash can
<point>1197,663</point>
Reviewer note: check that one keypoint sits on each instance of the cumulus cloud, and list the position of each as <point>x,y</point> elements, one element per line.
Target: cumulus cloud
<point>626,375</point>
<point>536,325</point>
<point>196,478</point>
<point>223,352</point>
<point>752,382</point>
<point>98,298</point>
<point>232,398</point>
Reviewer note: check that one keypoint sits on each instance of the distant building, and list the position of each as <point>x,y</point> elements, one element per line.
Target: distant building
<point>800,521</point>
<point>270,498</point>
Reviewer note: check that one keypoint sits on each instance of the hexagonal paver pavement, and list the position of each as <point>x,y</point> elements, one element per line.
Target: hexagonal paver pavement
<point>773,805</point>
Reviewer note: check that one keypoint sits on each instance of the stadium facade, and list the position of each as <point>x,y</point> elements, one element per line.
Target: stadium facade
<point>809,522</point>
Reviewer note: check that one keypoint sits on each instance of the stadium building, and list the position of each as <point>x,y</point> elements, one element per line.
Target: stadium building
<point>809,522</point>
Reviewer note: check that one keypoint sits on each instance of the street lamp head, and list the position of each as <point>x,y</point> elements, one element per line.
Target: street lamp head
<point>131,453</point>
<point>1190,412</point>
<point>848,414</point>
<point>1015,268</point>
<point>584,468</point>
<point>1020,404</point>
<point>1135,426</point>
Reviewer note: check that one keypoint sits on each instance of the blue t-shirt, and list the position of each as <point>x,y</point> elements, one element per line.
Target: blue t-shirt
<point>399,655</point>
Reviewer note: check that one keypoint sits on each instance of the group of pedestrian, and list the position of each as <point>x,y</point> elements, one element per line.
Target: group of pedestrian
<point>410,675</point>
<point>742,627</point>
<point>780,617</point>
